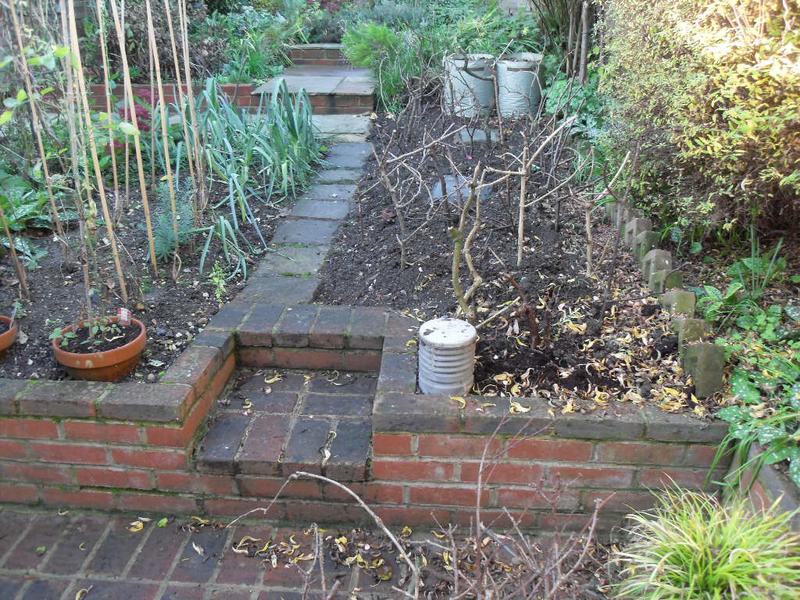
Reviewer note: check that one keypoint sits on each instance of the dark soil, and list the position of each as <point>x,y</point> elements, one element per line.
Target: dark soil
<point>109,337</point>
<point>580,341</point>
<point>173,311</point>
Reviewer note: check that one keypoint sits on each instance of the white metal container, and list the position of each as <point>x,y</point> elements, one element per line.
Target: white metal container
<point>518,88</point>
<point>468,84</point>
<point>446,356</point>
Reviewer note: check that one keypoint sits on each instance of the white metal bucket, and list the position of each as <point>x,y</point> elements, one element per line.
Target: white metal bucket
<point>446,356</point>
<point>468,85</point>
<point>518,88</point>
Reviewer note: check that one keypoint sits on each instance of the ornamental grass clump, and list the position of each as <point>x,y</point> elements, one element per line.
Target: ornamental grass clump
<point>691,546</point>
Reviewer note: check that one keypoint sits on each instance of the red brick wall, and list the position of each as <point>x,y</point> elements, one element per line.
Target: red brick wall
<point>129,446</point>
<point>239,93</point>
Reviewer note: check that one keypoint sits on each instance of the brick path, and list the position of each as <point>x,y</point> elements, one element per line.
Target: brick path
<point>44,556</point>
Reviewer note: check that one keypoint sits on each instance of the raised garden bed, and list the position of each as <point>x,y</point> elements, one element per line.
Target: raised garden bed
<point>130,446</point>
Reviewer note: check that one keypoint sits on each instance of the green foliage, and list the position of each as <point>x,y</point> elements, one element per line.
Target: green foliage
<point>763,344</point>
<point>750,278</point>
<point>566,97</point>
<point>401,41</point>
<point>692,547</point>
<point>218,280</point>
<point>254,41</point>
<point>163,232</point>
<point>710,93</point>
<point>257,155</point>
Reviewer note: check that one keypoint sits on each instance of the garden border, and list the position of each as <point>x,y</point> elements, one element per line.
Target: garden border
<point>130,446</point>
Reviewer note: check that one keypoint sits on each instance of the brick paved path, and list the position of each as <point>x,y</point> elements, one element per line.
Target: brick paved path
<point>46,555</point>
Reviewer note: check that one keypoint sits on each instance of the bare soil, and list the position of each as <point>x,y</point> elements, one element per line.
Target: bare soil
<point>580,341</point>
<point>173,310</point>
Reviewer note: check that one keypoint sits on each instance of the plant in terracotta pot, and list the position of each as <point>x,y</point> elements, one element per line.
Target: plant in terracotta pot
<point>102,348</point>
<point>8,332</point>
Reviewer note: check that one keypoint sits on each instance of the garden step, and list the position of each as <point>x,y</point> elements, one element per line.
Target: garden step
<point>277,422</point>
<point>317,54</point>
<point>342,128</point>
<point>333,90</point>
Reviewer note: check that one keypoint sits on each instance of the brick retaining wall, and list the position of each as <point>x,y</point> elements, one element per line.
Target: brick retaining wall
<point>130,446</point>
<point>240,94</point>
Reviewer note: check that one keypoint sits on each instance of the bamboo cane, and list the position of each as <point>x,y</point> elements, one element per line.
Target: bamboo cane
<point>200,181</point>
<point>107,87</point>
<point>37,129</point>
<point>164,132</point>
<point>137,144</point>
<point>176,63</point>
<point>78,66</point>
<point>70,104</point>
<point>22,276</point>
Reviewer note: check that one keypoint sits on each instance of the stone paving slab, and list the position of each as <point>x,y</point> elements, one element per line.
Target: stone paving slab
<point>323,80</point>
<point>293,260</point>
<point>340,191</point>
<point>342,128</point>
<point>287,289</point>
<point>275,422</point>
<point>305,231</point>
<point>339,176</point>
<point>321,209</point>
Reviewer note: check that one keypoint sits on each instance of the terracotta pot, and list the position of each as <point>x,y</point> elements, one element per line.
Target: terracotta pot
<point>9,337</point>
<point>110,365</point>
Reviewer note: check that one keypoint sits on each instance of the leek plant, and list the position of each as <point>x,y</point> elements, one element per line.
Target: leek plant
<point>257,156</point>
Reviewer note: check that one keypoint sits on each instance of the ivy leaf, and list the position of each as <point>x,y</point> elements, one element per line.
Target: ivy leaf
<point>60,51</point>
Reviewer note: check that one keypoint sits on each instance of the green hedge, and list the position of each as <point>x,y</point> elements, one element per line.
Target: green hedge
<point>710,93</point>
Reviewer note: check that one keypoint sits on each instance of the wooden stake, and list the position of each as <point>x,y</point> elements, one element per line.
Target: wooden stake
<point>37,129</point>
<point>72,119</point>
<point>200,180</point>
<point>584,42</point>
<point>137,143</point>
<point>164,124</point>
<point>106,83</point>
<point>522,195</point>
<point>22,276</point>
<point>78,66</point>
<point>176,66</point>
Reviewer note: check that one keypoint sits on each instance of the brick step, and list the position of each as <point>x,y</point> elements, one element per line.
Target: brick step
<point>317,54</point>
<point>274,423</point>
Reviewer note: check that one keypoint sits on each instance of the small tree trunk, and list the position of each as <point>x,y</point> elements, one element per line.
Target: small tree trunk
<point>522,195</point>
<point>584,42</point>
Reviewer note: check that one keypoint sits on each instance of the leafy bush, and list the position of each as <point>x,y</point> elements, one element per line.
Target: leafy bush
<point>387,54</point>
<point>710,93</point>
<point>254,41</point>
<point>693,547</point>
